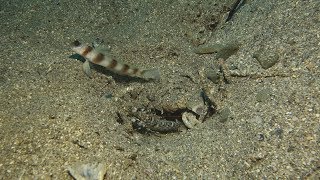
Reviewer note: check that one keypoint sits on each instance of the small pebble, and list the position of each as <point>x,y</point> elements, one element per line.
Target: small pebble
<point>260,137</point>
<point>264,95</point>
<point>266,58</point>
<point>225,114</point>
<point>278,132</point>
<point>108,95</point>
<point>213,75</point>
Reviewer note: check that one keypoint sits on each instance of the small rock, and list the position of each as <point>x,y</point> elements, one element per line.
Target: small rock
<point>228,50</point>
<point>225,114</point>
<point>266,58</point>
<point>260,137</point>
<point>213,75</point>
<point>278,132</point>
<point>108,95</point>
<point>263,95</point>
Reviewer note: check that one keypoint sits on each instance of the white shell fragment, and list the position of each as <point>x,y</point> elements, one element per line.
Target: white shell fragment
<point>201,110</point>
<point>94,171</point>
<point>198,108</point>
<point>189,120</point>
<point>197,105</point>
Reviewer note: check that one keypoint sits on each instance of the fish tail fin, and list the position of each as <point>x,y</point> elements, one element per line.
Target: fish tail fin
<point>153,74</point>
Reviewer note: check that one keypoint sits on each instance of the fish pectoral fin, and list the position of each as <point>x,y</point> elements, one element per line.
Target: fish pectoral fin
<point>87,69</point>
<point>78,57</point>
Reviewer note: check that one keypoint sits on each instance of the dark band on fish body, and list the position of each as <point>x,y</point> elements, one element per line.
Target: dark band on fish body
<point>135,70</point>
<point>113,64</point>
<point>98,58</point>
<point>125,68</point>
<point>86,51</point>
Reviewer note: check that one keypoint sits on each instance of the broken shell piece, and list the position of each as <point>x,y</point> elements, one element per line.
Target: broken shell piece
<point>197,105</point>
<point>201,110</point>
<point>189,120</point>
<point>194,100</point>
<point>94,171</point>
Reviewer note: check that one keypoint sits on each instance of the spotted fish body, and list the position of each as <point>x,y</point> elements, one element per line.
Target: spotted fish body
<point>111,64</point>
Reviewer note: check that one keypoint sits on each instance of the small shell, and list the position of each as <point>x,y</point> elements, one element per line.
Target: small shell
<point>201,110</point>
<point>189,120</point>
<point>90,171</point>
<point>197,105</point>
